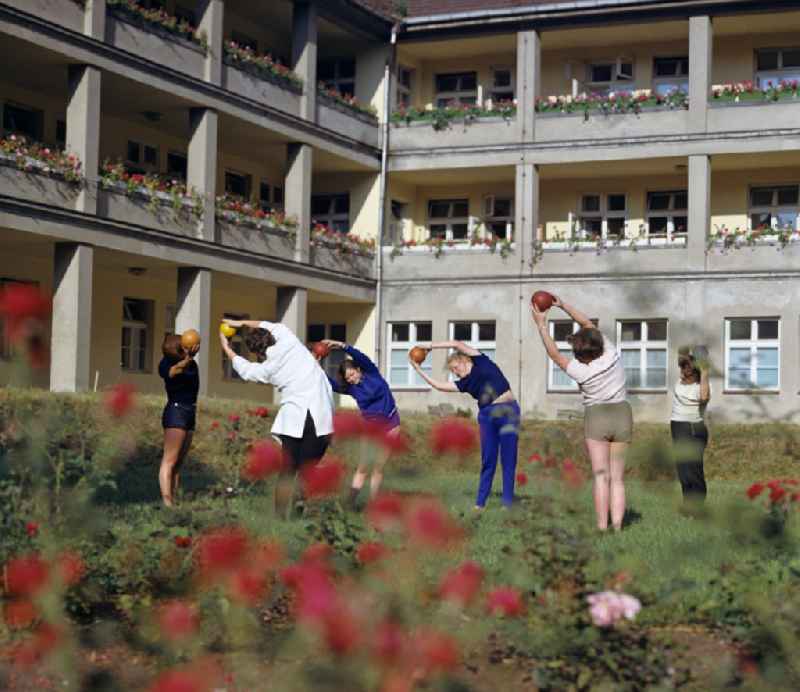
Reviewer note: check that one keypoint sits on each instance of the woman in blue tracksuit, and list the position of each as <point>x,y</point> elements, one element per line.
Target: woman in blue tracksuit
<point>498,413</point>
<point>360,378</point>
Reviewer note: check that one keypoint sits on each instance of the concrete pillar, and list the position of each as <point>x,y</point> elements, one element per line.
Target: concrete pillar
<point>701,52</point>
<point>72,317</point>
<point>83,129</point>
<point>699,212</point>
<point>304,54</point>
<point>94,19</point>
<point>292,309</point>
<point>370,76</point>
<point>210,22</point>
<point>526,213</point>
<point>529,70</point>
<point>299,160</point>
<point>202,164</point>
<point>193,311</point>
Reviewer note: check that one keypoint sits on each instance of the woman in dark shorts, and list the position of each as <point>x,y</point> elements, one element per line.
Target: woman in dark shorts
<point>498,413</point>
<point>608,420</point>
<point>182,382</point>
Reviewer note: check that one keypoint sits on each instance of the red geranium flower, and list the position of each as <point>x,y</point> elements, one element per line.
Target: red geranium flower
<point>453,435</point>
<point>462,583</point>
<point>234,418</point>
<point>323,479</point>
<point>268,555</point>
<point>70,568</point>
<point>347,424</point>
<point>429,524</point>
<point>341,631</point>
<point>222,550</point>
<point>20,614</point>
<point>183,541</point>
<point>178,620</point>
<point>27,575</point>
<point>505,600</point>
<point>120,399</point>
<point>264,459</point>
<point>437,652</point>
<point>215,425</point>
<point>522,478</point>
<point>43,641</point>
<point>777,494</point>
<point>32,529</point>
<point>260,412</point>
<point>385,511</point>
<point>370,552</point>
<point>248,585</point>
<point>535,459</point>
<point>755,490</point>
<point>21,303</point>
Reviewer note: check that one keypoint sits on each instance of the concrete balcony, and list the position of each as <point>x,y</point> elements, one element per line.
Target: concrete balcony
<point>154,43</point>
<point>257,87</point>
<point>480,132</point>
<point>274,242</point>
<point>67,14</point>
<point>765,254</point>
<point>339,118</point>
<point>560,127</point>
<point>358,264</point>
<point>35,187</point>
<point>728,116</point>
<point>157,213</point>
<point>452,263</point>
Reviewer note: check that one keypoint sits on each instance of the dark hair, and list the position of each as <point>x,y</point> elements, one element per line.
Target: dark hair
<point>587,344</point>
<point>687,359</point>
<point>171,348</point>
<point>258,341</point>
<point>344,366</point>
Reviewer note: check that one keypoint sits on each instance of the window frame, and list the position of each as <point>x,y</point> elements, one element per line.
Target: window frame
<point>490,217</point>
<point>450,220</point>
<point>417,383</point>
<point>443,99</point>
<point>403,92</point>
<point>552,368</point>
<point>615,84</point>
<point>248,180</point>
<point>603,214</point>
<point>505,93</point>
<point>753,344</point>
<point>643,345</point>
<point>679,77</point>
<point>474,339</point>
<point>671,213</point>
<point>172,153</point>
<point>331,363</point>
<point>137,328</point>
<point>761,77</point>
<point>344,85</point>
<point>774,208</point>
<point>332,218</point>
<point>37,114</point>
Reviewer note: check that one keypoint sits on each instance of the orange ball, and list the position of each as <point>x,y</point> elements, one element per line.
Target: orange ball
<point>418,355</point>
<point>190,338</point>
<point>542,300</point>
<point>319,349</point>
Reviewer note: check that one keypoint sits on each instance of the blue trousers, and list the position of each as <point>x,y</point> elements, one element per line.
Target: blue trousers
<point>499,426</point>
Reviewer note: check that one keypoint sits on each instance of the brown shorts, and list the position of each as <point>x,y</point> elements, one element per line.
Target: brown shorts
<point>609,422</point>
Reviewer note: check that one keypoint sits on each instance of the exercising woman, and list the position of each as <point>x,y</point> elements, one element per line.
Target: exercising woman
<point>608,420</point>
<point>182,382</point>
<point>304,422</point>
<point>498,413</point>
<point>689,434</point>
<point>360,378</point>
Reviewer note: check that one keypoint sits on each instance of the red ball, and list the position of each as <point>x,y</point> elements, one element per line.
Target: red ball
<point>418,355</point>
<point>320,350</point>
<point>542,300</point>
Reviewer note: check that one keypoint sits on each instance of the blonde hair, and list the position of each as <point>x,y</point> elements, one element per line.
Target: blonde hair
<point>453,357</point>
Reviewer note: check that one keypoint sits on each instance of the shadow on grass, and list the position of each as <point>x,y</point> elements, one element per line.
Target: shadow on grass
<point>631,517</point>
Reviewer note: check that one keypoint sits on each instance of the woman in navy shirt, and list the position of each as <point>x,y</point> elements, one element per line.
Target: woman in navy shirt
<point>498,413</point>
<point>360,378</point>
<point>182,382</point>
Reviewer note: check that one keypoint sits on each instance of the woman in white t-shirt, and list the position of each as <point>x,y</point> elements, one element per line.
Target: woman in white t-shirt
<point>608,419</point>
<point>687,425</point>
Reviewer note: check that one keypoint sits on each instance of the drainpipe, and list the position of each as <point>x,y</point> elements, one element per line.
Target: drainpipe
<point>382,208</point>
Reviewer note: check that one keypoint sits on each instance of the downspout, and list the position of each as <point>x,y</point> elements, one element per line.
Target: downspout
<point>387,90</point>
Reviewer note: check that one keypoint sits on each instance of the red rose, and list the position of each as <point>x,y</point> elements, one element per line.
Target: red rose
<point>755,490</point>
<point>462,583</point>
<point>522,478</point>
<point>32,529</point>
<point>370,552</point>
<point>506,601</point>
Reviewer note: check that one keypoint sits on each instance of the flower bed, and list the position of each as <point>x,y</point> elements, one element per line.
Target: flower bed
<point>742,92</point>
<point>440,118</point>
<point>614,102</point>
<point>731,239</point>
<point>131,9</point>
<point>341,243</point>
<point>237,211</point>
<point>261,65</point>
<point>350,103</point>
<point>438,245</point>
<point>33,157</point>
<point>157,190</point>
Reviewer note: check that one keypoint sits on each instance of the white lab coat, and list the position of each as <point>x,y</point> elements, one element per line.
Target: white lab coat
<point>303,385</point>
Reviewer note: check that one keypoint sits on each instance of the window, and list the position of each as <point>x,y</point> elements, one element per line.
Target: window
<point>448,219</point>
<point>238,184</point>
<point>339,74</point>
<point>775,207</point>
<point>604,77</point>
<point>154,4</point>
<point>61,133</point>
<point>177,165</point>
<point>752,354</point>
<point>670,75</point>
<point>23,120</point>
<point>480,335</point>
<point>499,216</point>
<point>774,65</point>
<point>141,158</point>
<point>602,216</point>
<point>136,316</point>
<point>459,88</point>
<point>185,14</point>
<point>151,156</point>
<point>332,211</point>
<point>666,214</point>
<point>502,84</point>
<point>405,81</point>
<point>337,332</point>
<point>134,154</point>
<point>643,348</point>
<point>270,197</point>
<point>557,379</point>
<point>399,212</point>
<point>402,337</point>
<point>237,345</point>
<point>244,41</point>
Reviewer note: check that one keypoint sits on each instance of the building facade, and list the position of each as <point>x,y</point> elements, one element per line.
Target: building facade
<point>410,178</point>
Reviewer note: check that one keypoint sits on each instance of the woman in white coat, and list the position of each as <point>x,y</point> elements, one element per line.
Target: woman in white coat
<point>304,423</point>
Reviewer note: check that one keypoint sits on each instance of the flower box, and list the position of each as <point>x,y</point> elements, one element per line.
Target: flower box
<point>32,157</point>
<point>66,14</point>
<point>724,239</point>
<point>261,66</point>
<point>613,244</point>
<point>348,104</point>
<point>157,21</point>
<point>442,118</point>
<point>29,183</point>
<point>637,101</point>
<point>735,93</point>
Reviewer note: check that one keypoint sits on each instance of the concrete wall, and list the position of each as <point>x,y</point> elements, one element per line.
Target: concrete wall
<point>67,14</point>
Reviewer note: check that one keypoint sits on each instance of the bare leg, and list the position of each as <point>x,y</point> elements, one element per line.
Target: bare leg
<point>599,453</point>
<point>173,443</point>
<point>377,474</point>
<point>359,477</point>
<point>176,471</point>
<point>617,464</point>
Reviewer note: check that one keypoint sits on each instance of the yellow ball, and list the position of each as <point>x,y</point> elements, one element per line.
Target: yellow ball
<point>226,330</point>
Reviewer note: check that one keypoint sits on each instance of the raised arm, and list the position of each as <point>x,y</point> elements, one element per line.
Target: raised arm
<point>459,346</point>
<point>705,387</point>
<point>360,359</point>
<point>540,319</point>
<point>182,364</point>
<point>574,313</point>
<point>436,384</point>
<point>236,324</point>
